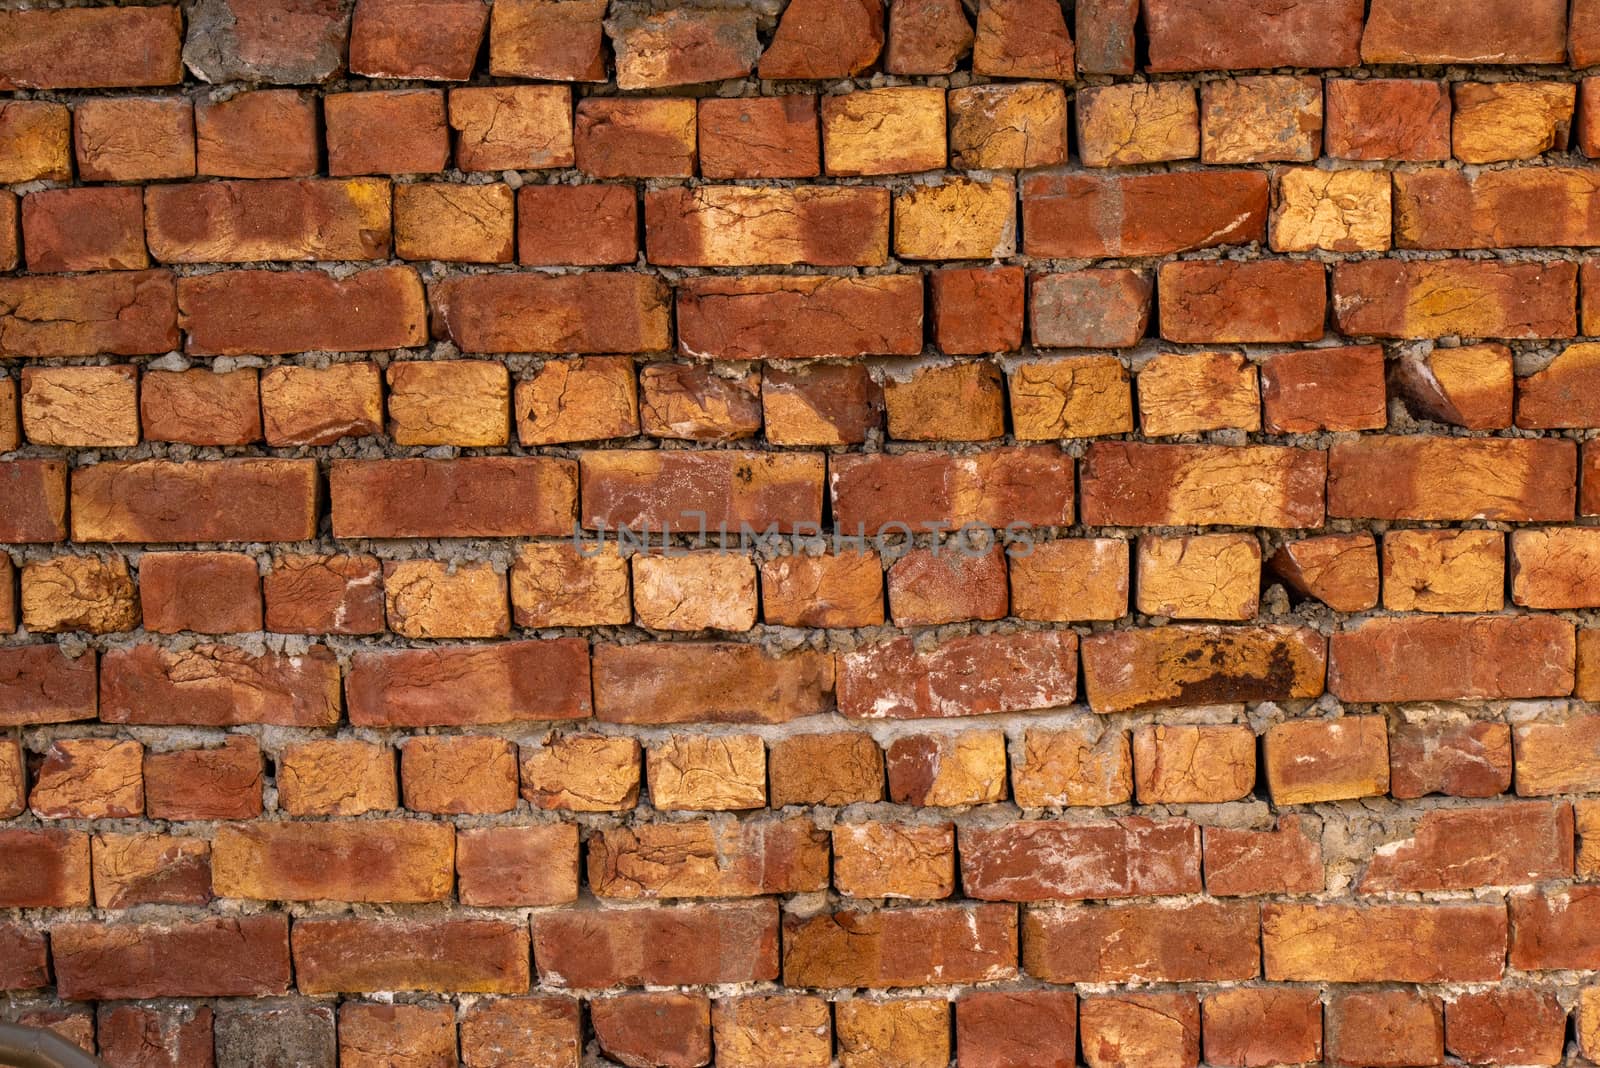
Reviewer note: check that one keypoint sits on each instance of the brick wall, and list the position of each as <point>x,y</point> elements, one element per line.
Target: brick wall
<point>1251,728</point>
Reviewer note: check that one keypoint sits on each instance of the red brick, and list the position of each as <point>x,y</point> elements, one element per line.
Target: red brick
<point>1198,942</point>
<point>1325,389</point>
<point>1438,31</point>
<point>1147,1030</point>
<point>1089,309</point>
<point>200,407</point>
<point>90,48</point>
<point>582,225</point>
<point>377,1035</point>
<point>1510,1026</point>
<point>1425,477</point>
<point>1555,930</point>
<point>219,686</point>
<point>316,594</point>
<point>432,40</point>
<point>587,313</point>
<point>213,593</point>
<point>1023,39</point>
<point>84,230</point>
<point>1091,216</point>
<point>825,769</point>
<point>675,488</point>
<point>223,783</point>
<point>962,676</point>
<point>244,956</point>
<point>1487,298</point>
<point>1187,35</point>
<point>41,684</point>
<point>708,682</point>
<point>221,500</point>
<point>1284,861</point>
<point>744,226</point>
<point>469,684</point>
<point>536,1032</point>
<point>1385,1029</point>
<point>977,309</point>
<point>1387,118</point>
<point>291,219</point>
<point>891,948</point>
<point>824,39</point>
<point>122,313</point>
<point>445,956</point>
<point>589,948</point>
<point>1133,484</point>
<point>518,866</point>
<point>268,133</point>
<point>349,860</point>
<point>1463,849</point>
<point>681,46</point>
<point>1255,1027</point>
<point>275,41</point>
<point>926,36</point>
<point>47,868</point>
<point>884,492</point>
<point>396,131</point>
<point>134,1036</point>
<point>636,138</point>
<point>667,1029</point>
<point>1224,301</point>
<point>484,497</point>
<point>235,313</point>
<point>927,588</point>
<point>1016,1029</point>
<point>1041,860</point>
<point>150,869</point>
<point>1436,658</point>
<point>1320,941</point>
<point>800,317</point>
<point>820,404</point>
<point>1312,760</point>
<point>1468,759</point>
<point>759,137</point>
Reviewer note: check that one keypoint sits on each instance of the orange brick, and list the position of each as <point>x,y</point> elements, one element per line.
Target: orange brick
<point>398,131</point>
<point>947,402</point>
<point>268,133</point>
<point>121,313</point>
<point>709,858</point>
<point>461,223</point>
<point>437,599</point>
<point>694,682</point>
<point>211,593</point>
<point>1388,118</point>
<point>759,137</point>
<point>557,584</point>
<point>528,312</point>
<point>290,219</point>
<point>799,317</point>
<point>443,685</point>
<point>352,860</point>
<point>1080,397</point>
<point>582,773</point>
<point>1327,759</point>
<point>369,955</point>
<point>694,591</point>
<point>81,406</point>
<point>744,226</point>
<point>716,773</point>
<point>1261,118</point>
<point>1444,570</point>
<point>1199,576</point>
<point>534,1032</point>
<point>894,860</point>
<point>547,39</point>
<point>1123,943</point>
<point>825,769</point>
<point>150,869</point>
<point>1073,766</point>
<point>682,46</point>
<point>435,40</point>
<point>35,142</point>
<point>90,593</point>
<point>456,775</point>
<point>839,590</point>
<point>947,770</point>
<point>772,1031</point>
<point>371,1036</point>
<point>1194,765</point>
<point>319,406</point>
<point>98,229</point>
<point>89,779</point>
<point>1496,121</point>
<point>649,137</point>
<point>822,404</point>
<point>49,869</point>
<point>884,131</point>
<point>531,124</point>
<point>699,403</point>
<point>336,777</point>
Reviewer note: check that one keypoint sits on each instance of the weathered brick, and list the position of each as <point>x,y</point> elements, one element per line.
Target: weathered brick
<point>946,402</point>
<point>799,317</point>
<point>118,313</point>
<point>1435,31</point>
<point>584,225</point>
<point>485,497</point>
<point>459,402</point>
<point>971,675</point>
<point>439,599</point>
<point>581,773</point>
<point>80,406</point>
<point>1120,943</point>
<point>699,682</point>
<point>435,40</point>
<point>773,1031</point>
<point>395,131</point>
<point>241,222</point>
<point>1383,943</point>
<point>374,1035</point>
<point>908,1032</point>
<point>711,858</point>
<point>659,1028</point>
<point>1104,33</point>
<point>352,860</point>
<point>1184,392</point>
<point>1338,210</point>
<point>926,36</point>
<point>716,773</point>
<point>35,139</point>
<point>1238,664</point>
<point>267,133</point>
<point>1092,216</point>
<point>90,593</point>
<point>1466,759</point>
<point>740,226</point>
<point>1253,1027</point>
<point>1340,388</point>
<point>516,681</point>
<point>1007,126</point>
<point>41,684</point>
<point>212,593</point>
<point>201,407</point>
<point>593,948</point>
<point>1261,118</point>
<point>824,769</point>
<point>947,770</point>
<point>1314,760</point>
<point>534,1032</point>
<point>556,584</point>
<point>956,219</point>
<point>681,45</point>
<point>696,591</point>
<point>1070,579</point>
<point>1385,1028</point>
<point>278,1033</point>
<point>1041,860</point>
<point>1459,658</point>
<point>274,41</point>
<point>458,774</point>
<point>1224,301</point>
<point>1387,118</point>
<point>577,400</point>
<point>1422,477</point>
<point>150,869</point>
<point>1075,766</point>
<point>444,955</point>
<point>1190,35</point>
<point>1023,39</point>
<point>1444,570</point>
<point>235,313</point>
<point>1554,930</point>
<point>894,860</point>
<point>1512,1026</point>
<point>680,489</point>
<point>1561,395</point>
<point>885,491</point>
<point>324,594</point>
<point>636,137</point>
<point>1282,861</point>
<point>1194,764</point>
<point>824,39</point>
<point>893,130</point>
<point>517,866</point>
<point>1463,849</point>
<point>602,312</point>
<point>91,48</point>
<point>1133,123</point>
<point>13,779</point>
<point>1471,298</point>
<point>822,404</point>
<point>760,137</point>
<point>222,500</point>
<point>219,686</point>
<point>48,868</point>
<point>1497,121</point>
<point>839,590</point>
<point>1153,1030</point>
<point>512,127</point>
<point>1554,567</point>
<point>221,783</point>
<point>134,1036</point>
<point>1089,309</point>
<point>88,779</point>
<point>98,229</point>
<point>1017,1029</point>
<point>336,777</point>
<point>1078,397</point>
<point>950,944</point>
<point>1131,484</point>
<point>1469,386</point>
<point>546,39</point>
<point>1557,757</point>
<point>243,956</point>
<point>468,224</point>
